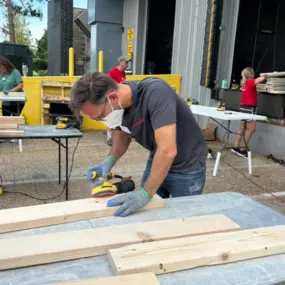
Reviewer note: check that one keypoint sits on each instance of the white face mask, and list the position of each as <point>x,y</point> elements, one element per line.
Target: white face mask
<point>115,118</point>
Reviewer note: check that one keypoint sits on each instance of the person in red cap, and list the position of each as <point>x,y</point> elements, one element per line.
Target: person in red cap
<point>118,74</point>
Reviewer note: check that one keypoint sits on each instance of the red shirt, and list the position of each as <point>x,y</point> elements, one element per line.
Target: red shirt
<point>117,75</point>
<point>249,93</point>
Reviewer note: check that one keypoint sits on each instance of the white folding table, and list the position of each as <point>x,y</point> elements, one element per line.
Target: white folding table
<point>19,97</point>
<point>215,114</point>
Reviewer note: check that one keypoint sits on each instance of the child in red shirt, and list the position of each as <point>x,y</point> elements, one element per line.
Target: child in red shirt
<point>248,105</point>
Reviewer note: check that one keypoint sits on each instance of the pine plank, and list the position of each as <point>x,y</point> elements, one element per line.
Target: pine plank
<point>11,133</point>
<point>8,126</point>
<point>41,249</point>
<point>12,120</point>
<point>179,254</point>
<point>147,278</point>
<point>58,213</point>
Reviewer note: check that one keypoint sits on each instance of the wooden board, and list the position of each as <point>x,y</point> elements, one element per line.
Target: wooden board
<point>147,278</point>
<point>274,74</point>
<point>12,120</point>
<point>56,84</point>
<point>179,254</point>
<point>11,133</point>
<point>8,126</point>
<point>41,249</point>
<point>59,213</point>
<point>14,94</point>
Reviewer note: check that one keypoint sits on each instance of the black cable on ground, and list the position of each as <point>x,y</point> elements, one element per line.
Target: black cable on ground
<point>50,198</point>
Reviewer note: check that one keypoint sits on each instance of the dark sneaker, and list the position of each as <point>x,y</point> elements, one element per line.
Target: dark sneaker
<point>239,152</point>
<point>244,153</point>
<point>109,142</point>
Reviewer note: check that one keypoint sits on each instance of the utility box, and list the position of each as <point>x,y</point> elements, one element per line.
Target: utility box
<point>18,55</point>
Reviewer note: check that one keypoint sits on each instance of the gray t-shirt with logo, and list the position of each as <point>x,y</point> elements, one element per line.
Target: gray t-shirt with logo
<point>155,105</point>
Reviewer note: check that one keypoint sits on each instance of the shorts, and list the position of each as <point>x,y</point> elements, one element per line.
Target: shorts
<point>248,109</point>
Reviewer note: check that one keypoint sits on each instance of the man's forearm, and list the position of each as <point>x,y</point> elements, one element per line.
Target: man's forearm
<point>161,164</point>
<point>121,142</point>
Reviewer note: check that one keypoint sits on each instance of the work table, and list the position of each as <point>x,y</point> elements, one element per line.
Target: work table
<point>241,209</point>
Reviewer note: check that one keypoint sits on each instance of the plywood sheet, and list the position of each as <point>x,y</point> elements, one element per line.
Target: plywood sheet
<point>59,213</point>
<point>147,278</point>
<point>41,249</point>
<point>179,254</point>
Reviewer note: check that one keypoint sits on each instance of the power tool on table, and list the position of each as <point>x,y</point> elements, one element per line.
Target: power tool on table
<point>65,123</point>
<point>103,188</point>
<point>222,106</point>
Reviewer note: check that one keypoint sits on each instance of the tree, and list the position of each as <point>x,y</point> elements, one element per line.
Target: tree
<point>42,47</point>
<point>25,8</point>
<point>40,62</point>
<point>22,32</point>
<point>11,25</point>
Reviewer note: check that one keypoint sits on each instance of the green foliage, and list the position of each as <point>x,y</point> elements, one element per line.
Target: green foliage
<point>26,8</point>
<point>40,64</point>
<point>42,47</point>
<point>23,34</point>
<point>42,72</point>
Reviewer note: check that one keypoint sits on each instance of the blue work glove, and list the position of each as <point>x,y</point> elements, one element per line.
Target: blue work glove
<point>130,202</point>
<point>6,92</point>
<point>103,168</point>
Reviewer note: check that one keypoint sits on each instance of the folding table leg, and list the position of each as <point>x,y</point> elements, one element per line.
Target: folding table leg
<point>249,162</point>
<point>20,145</point>
<point>217,163</point>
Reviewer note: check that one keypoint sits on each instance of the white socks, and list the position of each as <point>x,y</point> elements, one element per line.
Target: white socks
<point>109,135</point>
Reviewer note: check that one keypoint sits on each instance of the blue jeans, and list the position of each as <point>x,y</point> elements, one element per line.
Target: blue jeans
<point>179,184</point>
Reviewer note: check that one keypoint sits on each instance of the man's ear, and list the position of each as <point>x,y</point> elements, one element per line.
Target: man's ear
<point>113,96</point>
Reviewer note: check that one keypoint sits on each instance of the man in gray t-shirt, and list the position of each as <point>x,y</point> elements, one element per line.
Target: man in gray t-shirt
<point>153,115</point>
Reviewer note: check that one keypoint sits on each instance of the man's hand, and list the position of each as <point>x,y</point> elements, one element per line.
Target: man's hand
<point>130,202</point>
<point>102,169</point>
<point>6,92</point>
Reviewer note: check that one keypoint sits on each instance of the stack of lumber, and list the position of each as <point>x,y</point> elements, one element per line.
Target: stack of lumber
<point>9,126</point>
<point>54,92</point>
<point>275,83</point>
<point>135,251</point>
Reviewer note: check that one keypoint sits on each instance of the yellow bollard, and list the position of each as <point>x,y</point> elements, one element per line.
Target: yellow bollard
<point>101,61</point>
<point>71,62</point>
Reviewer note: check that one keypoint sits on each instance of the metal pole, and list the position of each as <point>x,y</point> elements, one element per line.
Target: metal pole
<point>71,62</point>
<point>101,61</point>
<point>59,161</point>
<point>66,169</point>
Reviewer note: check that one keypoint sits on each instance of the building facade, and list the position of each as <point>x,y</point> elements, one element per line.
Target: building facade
<point>197,39</point>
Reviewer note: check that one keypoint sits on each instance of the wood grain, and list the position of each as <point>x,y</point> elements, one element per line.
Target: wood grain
<point>147,278</point>
<point>178,254</point>
<point>59,213</point>
<point>11,133</point>
<point>41,249</point>
<point>8,126</point>
<point>12,120</point>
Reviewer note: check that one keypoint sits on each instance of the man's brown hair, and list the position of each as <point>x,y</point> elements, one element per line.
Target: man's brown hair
<point>92,87</point>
